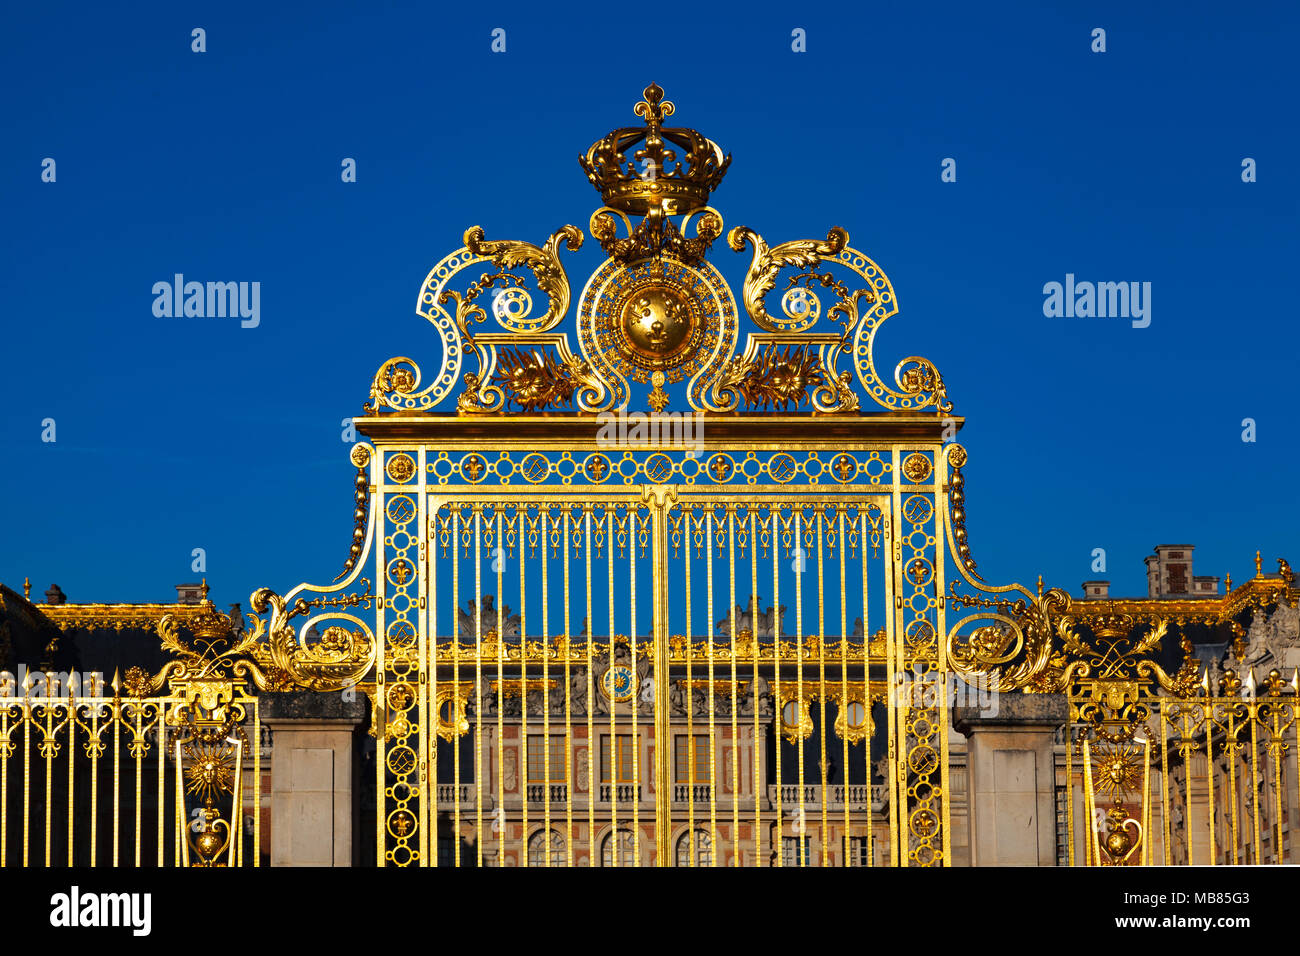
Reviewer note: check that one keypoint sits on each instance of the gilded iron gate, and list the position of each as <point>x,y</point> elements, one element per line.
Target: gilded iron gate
<point>690,671</point>
<point>708,637</point>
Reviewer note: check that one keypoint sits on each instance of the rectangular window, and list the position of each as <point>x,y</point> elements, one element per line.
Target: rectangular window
<point>858,855</point>
<point>537,769</point>
<point>795,849</point>
<point>692,758</point>
<point>622,763</point>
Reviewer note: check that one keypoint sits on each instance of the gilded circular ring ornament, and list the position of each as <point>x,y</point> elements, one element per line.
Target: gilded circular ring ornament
<point>401,467</point>
<point>400,509</point>
<point>596,468</point>
<point>535,467</point>
<point>511,304</point>
<point>655,315</point>
<point>802,308</point>
<point>782,467</point>
<point>659,468</point>
<point>916,468</point>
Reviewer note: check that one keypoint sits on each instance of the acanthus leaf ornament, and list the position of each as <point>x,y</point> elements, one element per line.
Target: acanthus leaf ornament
<point>767,262</point>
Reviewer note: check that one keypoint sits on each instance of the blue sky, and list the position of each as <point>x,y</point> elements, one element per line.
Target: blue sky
<point>1084,433</point>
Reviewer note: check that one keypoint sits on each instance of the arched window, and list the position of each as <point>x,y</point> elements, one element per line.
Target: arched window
<point>698,840</point>
<point>537,848</point>
<point>623,840</point>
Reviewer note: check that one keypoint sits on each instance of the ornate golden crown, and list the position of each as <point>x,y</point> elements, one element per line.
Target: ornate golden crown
<point>654,178</point>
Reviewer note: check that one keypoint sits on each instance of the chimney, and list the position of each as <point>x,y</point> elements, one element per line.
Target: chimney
<point>1096,590</point>
<point>189,593</point>
<point>54,595</point>
<point>1169,571</point>
<point>1205,585</point>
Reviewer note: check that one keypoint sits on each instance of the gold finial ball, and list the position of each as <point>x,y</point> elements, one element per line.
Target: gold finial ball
<point>208,844</point>
<point>1117,843</point>
<point>657,321</point>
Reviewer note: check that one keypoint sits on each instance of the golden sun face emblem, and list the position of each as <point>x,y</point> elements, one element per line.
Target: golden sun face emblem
<point>1118,772</point>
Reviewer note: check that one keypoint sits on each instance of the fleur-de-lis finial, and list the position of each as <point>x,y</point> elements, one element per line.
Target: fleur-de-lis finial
<point>654,109</point>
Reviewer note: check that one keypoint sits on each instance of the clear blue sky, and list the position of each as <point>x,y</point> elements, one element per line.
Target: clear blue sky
<point>1083,433</point>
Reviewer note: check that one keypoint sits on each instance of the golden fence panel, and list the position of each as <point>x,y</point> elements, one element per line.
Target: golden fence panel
<point>639,706</point>
<point>117,780</point>
<point>1201,781</point>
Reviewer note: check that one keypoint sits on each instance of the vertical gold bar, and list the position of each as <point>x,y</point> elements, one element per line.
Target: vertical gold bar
<point>455,683</point>
<point>523,673</point>
<point>257,783</point>
<point>381,644</point>
<point>500,562</point>
<point>569,837</point>
<point>688,516</point>
<point>4,786</point>
<point>1275,749</point>
<point>94,782</point>
<point>1146,797</point>
<point>713,782</point>
<point>844,682</point>
<point>545,510</point>
<point>1232,782</point>
<point>659,631</point>
<point>425,662</point>
<point>1253,711</point>
<point>800,558</point>
<point>778,850</point>
<point>72,762</point>
<point>661,839</point>
<point>1092,808</point>
<point>433,712</point>
<point>593,753</point>
<point>1187,784</point>
<point>160,733</point>
<point>137,742</point>
<point>893,655</point>
<point>234,855</point>
<point>866,684</point>
<point>735,751</point>
<point>1069,785</point>
<point>1209,775</point>
<point>48,739</point>
<point>1165,784</point>
<point>478,685</point>
<point>756,748</point>
<point>182,820</point>
<point>27,770</point>
<point>819,516</point>
<point>615,763</point>
<point>117,771</point>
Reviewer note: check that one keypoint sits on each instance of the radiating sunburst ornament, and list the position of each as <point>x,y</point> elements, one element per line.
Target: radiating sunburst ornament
<point>1117,771</point>
<point>211,773</point>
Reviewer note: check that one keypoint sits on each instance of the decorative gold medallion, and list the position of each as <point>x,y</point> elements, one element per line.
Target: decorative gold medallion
<point>916,468</point>
<point>655,316</point>
<point>400,468</point>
